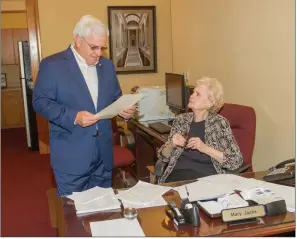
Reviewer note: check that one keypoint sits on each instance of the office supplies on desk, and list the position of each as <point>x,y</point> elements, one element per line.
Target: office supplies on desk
<point>274,204</point>
<point>117,227</point>
<point>160,127</point>
<point>187,214</point>
<point>286,192</point>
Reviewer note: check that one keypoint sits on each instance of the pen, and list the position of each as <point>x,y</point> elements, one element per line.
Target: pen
<point>187,191</point>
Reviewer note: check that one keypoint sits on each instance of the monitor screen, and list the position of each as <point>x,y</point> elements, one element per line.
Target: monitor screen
<point>175,91</point>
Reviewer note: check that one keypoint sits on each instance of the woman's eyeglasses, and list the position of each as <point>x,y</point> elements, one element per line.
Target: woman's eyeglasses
<point>95,48</point>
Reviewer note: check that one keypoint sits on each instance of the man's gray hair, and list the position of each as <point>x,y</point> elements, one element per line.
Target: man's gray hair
<point>88,25</point>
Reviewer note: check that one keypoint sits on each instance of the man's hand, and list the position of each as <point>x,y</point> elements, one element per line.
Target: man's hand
<point>197,143</point>
<point>128,113</point>
<point>85,118</point>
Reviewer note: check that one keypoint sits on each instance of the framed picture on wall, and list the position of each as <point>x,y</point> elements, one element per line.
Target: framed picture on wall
<point>3,80</point>
<point>132,39</point>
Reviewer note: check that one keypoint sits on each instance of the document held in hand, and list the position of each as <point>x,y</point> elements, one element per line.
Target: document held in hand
<point>123,103</point>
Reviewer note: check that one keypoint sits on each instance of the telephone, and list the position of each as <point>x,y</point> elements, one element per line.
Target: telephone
<point>283,173</point>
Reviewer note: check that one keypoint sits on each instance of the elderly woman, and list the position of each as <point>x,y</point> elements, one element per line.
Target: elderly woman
<point>201,142</point>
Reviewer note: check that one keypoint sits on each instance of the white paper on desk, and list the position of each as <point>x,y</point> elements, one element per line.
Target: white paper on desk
<point>201,190</point>
<point>230,181</point>
<point>103,203</point>
<point>90,194</point>
<point>123,103</point>
<point>143,193</point>
<point>160,201</point>
<point>286,192</point>
<point>117,228</point>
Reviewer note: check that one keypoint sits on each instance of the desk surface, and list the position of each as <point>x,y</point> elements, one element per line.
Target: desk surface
<point>153,221</point>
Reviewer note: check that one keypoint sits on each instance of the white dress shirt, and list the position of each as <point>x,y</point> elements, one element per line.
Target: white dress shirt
<point>90,75</point>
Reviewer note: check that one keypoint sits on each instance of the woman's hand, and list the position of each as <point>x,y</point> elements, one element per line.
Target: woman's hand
<point>178,140</point>
<point>197,143</point>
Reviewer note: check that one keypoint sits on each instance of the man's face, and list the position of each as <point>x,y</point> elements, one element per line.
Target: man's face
<point>91,48</point>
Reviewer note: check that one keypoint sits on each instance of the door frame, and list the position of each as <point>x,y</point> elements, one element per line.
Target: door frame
<point>35,53</point>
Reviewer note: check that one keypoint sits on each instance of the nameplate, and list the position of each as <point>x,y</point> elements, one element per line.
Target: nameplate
<point>243,213</point>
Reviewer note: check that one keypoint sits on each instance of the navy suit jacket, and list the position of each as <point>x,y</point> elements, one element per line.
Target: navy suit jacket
<point>60,92</point>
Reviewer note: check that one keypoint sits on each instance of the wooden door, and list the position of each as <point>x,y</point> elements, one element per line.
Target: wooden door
<point>19,34</point>
<point>7,49</point>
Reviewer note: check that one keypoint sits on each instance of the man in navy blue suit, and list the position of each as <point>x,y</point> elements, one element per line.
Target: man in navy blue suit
<point>71,87</point>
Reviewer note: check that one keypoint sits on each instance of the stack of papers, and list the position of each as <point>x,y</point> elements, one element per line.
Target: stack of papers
<point>117,227</point>
<point>95,200</point>
<point>202,190</point>
<point>143,195</point>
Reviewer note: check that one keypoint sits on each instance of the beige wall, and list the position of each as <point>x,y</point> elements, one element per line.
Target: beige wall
<point>249,46</point>
<point>58,19</point>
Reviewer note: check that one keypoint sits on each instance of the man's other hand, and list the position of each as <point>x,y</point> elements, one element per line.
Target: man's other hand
<point>85,118</point>
<point>128,113</point>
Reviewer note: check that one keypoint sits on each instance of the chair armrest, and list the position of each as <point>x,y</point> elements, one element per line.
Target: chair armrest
<point>160,167</point>
<point>244,167</point>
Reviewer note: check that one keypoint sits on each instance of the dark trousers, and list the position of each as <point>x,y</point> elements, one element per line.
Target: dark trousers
<point>97,175</point>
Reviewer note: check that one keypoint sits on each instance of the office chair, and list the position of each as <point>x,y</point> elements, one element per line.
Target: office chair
<point>123,158</point>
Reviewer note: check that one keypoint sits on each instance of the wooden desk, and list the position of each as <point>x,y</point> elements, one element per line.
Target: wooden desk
<point>147,141</point>
<point>153,222</point>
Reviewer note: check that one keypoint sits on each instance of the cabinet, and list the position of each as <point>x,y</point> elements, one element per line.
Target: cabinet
<point>12,108</point>
<point>9,44</point>
<point>7,50</point>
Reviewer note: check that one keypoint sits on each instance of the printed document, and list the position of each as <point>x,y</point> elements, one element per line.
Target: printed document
<point>117,228</point>
<point>123,103</point>
<point>103,203</point>
<point>143,193</point>
<point>90,194</point>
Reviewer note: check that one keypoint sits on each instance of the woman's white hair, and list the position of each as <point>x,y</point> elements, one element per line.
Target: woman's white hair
<point>216,92</point>
<point>88,25</point>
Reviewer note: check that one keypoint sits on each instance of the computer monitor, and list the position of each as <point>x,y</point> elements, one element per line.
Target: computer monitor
<point>175,91</point>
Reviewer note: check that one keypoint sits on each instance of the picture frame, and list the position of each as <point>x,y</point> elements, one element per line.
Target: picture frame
<point>132,39</point>
<point>3,81</point>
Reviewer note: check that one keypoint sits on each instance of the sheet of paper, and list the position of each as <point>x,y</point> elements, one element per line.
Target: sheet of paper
<point>117,228</point>
<point>143,193</point>
<point>156,203</point>
<point>123,103</point>
<point>103,203</point>
<point>90,194</point>
<point>201,190</point>
<point>230,181</point>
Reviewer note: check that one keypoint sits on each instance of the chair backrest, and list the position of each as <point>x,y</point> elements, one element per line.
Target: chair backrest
<point>243,124</point>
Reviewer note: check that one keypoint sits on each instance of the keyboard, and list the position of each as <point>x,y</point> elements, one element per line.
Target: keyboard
<point>160,127</point>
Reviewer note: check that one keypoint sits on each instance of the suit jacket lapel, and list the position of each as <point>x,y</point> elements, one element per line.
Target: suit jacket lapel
<point>77,75</point>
